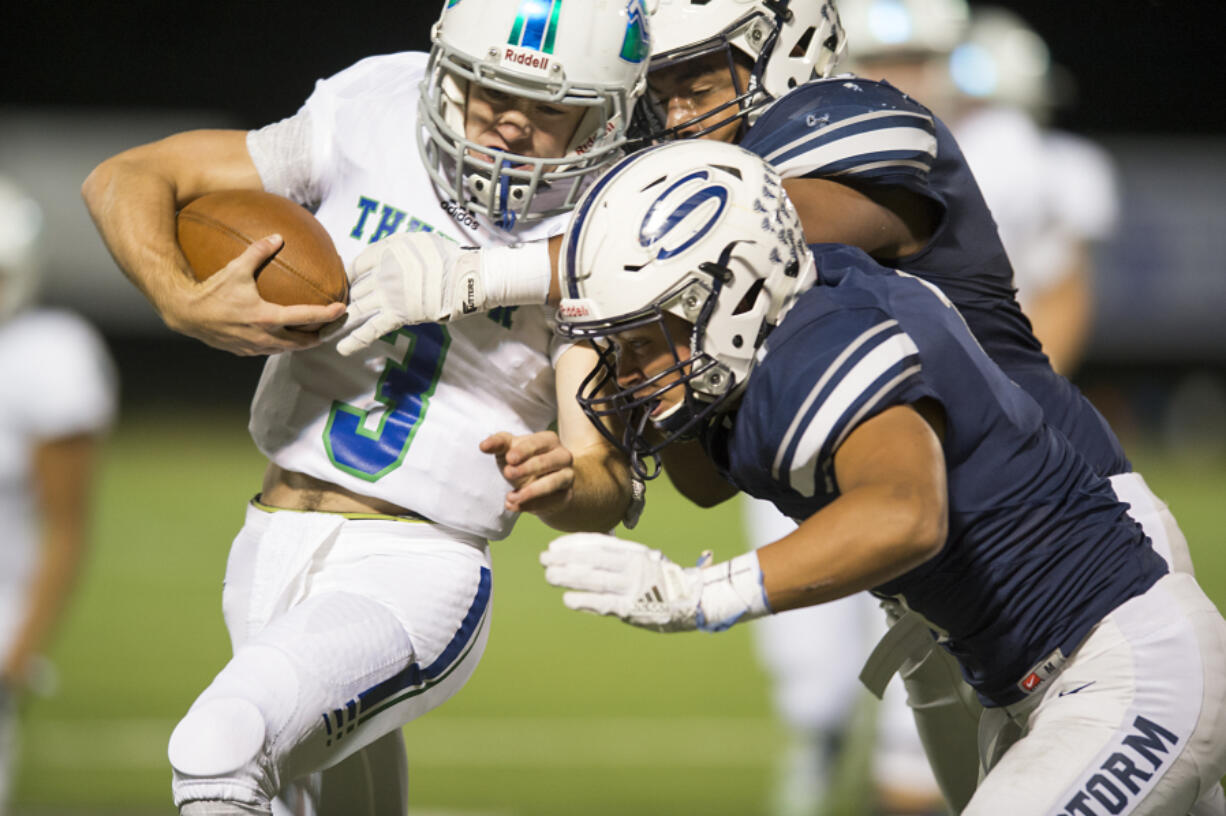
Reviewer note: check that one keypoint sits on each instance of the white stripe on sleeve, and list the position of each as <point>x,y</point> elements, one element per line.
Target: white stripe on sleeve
<point>829,129</point>
<point>821,383</point>
<point>832,417</point>
<point>867,145</point>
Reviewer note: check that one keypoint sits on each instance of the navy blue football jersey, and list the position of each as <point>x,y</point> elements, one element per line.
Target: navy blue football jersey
<point>1039,550</point>
<point>856,130</point>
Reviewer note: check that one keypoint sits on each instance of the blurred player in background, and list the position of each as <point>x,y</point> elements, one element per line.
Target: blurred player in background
<point>56,405</point>
<point>1054,194</point>
<point>358,592</point>
<point>865,410</point>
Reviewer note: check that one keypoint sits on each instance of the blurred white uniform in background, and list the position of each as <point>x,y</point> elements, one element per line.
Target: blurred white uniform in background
<point>1053,196</point>
<point>58,399</point>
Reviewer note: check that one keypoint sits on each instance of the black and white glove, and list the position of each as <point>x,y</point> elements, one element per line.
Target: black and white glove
<point>422,277</point>
<point>610,576</point>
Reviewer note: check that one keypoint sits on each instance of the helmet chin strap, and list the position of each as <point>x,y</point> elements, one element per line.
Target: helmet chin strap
<point>644,462</point>
<point>507,219</point>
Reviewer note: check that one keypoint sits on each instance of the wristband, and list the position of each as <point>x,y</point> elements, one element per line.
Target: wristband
<point>516,275</point>
<point>732,591</point>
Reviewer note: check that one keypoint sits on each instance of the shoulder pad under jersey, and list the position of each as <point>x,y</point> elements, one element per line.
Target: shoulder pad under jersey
<point>845,126</point>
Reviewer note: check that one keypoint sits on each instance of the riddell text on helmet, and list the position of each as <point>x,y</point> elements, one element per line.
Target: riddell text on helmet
<point>528,59</point>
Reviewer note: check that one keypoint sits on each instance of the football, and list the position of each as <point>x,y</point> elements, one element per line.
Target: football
<point>215,228</point>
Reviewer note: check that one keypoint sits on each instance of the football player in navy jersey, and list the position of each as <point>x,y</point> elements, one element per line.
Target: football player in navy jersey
<point>864,409</point>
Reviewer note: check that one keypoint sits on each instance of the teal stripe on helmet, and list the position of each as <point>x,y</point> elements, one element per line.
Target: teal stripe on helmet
<point>536,25</point>
<point>636,46</point>
<point>552,32</point>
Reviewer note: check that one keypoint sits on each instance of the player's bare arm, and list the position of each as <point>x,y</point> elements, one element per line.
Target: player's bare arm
<point>63,470</point>
<point>885,223</point>
<point>1063,314</point>
<point>133,198</point>
<point>574,480</point>
<point>891,515</point>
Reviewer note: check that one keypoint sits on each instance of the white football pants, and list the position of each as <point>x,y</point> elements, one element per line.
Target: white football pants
<point>343,631</point>
<point>1134,723</point>
<point>807,651</point>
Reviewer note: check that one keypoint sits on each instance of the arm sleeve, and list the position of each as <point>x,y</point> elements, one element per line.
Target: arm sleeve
<point>847,129</point>
<point>863,364</point>
<point>282,155</point>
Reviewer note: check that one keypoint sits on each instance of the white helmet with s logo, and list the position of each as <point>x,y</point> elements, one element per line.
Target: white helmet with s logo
<point>698,229</point>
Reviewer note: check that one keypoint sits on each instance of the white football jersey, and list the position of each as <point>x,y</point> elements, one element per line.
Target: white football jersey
<point>1049,192</point>
<point>400,421</point>
<point>59,381</point>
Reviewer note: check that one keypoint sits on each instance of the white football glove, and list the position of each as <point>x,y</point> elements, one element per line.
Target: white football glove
<point>611,576</point>
<point>422,277</point>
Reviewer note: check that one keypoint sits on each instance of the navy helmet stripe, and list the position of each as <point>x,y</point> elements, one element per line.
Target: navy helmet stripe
<point>576,226</point>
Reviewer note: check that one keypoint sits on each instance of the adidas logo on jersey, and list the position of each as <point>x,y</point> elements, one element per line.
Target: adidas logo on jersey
<point>461,214</point>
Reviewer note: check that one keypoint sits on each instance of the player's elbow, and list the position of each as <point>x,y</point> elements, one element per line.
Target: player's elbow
<point>923,519</point>
<point>93,189</point>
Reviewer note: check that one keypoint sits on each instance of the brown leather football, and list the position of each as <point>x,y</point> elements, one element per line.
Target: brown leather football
<point>215,228</point>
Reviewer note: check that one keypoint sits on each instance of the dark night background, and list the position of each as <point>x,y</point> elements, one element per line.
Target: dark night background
<point>1140,67</point>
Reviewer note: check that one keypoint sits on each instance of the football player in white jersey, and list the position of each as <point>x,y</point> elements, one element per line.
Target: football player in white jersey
<point>57,403</point>
<point>357,594</point>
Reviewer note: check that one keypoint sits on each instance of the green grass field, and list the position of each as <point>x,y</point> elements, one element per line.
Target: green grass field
<point>567,714</point>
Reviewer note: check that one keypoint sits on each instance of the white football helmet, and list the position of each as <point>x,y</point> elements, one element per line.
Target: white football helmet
<point>888,28</point>
<point>1003,60</point>
<point>21,229</point>
<point>695,228</point>
<point>565,53</point>
<point>789,42</point>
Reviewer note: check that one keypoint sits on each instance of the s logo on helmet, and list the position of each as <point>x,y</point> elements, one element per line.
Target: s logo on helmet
<point>657,227</point>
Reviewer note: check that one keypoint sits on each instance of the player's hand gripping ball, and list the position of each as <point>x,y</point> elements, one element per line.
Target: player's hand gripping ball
<point>215,228</point>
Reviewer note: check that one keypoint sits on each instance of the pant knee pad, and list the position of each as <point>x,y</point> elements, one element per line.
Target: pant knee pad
<point>217,738</point>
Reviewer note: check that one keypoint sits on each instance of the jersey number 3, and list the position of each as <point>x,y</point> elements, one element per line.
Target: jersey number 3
<point>369,444</point>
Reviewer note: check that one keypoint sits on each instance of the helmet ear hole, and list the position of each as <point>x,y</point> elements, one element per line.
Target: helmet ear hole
<point>802,45</point>
<point>748,301</point>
